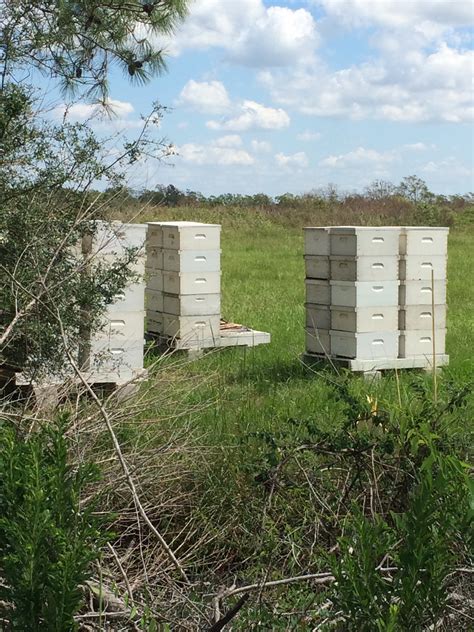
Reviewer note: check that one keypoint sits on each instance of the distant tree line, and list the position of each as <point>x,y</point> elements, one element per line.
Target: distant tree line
<point>411,189</point>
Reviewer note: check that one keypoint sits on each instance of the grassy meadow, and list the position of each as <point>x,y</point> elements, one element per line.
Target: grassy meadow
<point>263,287</point>
<point>258,503</point>
<point>251,407</point>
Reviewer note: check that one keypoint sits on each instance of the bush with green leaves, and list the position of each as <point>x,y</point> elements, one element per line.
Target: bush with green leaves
<point>45,209</point>
<point>49,536</point>
<point>422,546</point>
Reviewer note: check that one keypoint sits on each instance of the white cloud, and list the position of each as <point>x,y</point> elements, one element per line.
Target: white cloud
<point>213,154</point>
<point>79,112</point>
<point>308,136</point>
<point>294,160</point>
<point>279,37</point>
<point>421,69</point>
<point>252,115</point>
<point>446,68</point>
<point>247,31</point>
<point>360,156</point>
<point>408,112</point>
<point>232,140</point>
<point>418,87</point>
<point>391,13</point>
<point>212,97</point>
<point>417,147</point>
<point>205,96</point>
<point>431,167</point>
<point>261,146</point>
<point>450,166</point>
<point>212,23</point>
<point>113,117</point>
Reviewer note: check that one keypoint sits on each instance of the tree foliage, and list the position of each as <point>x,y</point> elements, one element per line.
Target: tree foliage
<point>47,169</point>
<point>79,40</point>
<point>46,206</point>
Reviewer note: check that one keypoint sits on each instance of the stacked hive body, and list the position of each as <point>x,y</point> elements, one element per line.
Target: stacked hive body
<point>423,261</point>
<point>376,297</point>
<point>352,292</point>
<point>183,282</point>
<point>115,353</point>
<point>318,291</point>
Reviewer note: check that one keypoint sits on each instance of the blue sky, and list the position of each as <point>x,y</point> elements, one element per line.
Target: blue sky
<point>275,97</point>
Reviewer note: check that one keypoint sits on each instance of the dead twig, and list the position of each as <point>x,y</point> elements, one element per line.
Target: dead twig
<point>318,578</point>
<point>122,571</point>
<point>219,625</point>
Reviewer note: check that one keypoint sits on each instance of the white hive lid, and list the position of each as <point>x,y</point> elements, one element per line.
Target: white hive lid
<point>137,226</point>
<point>425,228</point>
<point>114,224</point>
<point>178,224</point>
<point>359,229</point>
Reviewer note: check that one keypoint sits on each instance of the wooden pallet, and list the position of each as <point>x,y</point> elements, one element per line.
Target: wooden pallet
<point>373,368</point>
<point>230,335</point>
<point>49,392</point>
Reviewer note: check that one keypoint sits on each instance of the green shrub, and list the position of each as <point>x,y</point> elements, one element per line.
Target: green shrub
<point>48,538</point>
<point>422,544</point>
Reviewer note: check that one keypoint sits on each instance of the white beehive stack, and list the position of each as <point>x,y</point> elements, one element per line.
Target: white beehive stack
<point>116,351</point>
<point>364,292</point>
<point>376,296</point>
<point>352,291</point>
<point>183,282</point>
<point>318,291</point>
<point>423,275</point>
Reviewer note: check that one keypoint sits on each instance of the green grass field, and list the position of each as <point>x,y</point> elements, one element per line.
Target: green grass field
<point>263,287</point>
<point>249,415</point>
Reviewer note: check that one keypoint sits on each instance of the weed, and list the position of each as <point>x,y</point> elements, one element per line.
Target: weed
<point>48,538</point>
<point>422,544</point>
